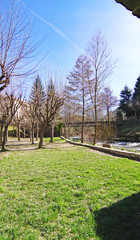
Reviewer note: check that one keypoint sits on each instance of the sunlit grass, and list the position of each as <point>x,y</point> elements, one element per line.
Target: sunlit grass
<point>55,140</point>
<point>57,193</point>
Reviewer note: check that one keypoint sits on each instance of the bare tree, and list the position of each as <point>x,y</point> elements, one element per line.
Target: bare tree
<point>102,66</point>
<point>30,116</point>
<point>22,120</point>
<point>19,119</point>
<point>68,110</point>
<point>51,92</point>
<point>108,101</point>
<point>48,111</point>
<point>78,86</point>
<point>16,44</point>
<point>9,106</point>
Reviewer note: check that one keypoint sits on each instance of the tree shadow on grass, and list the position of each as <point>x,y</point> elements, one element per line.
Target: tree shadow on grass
<point>120,221</point>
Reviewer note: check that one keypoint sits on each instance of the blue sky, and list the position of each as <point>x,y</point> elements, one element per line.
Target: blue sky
<point>70,26</point>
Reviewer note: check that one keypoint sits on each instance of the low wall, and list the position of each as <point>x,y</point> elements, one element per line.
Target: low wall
<point>115,152</point>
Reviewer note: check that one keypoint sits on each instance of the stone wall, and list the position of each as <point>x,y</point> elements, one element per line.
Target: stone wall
<point>115,152</point>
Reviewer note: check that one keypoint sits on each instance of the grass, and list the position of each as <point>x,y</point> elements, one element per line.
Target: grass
<point>56,140</point>
<point>128,128</point>
<point>68,193</point>
<point>25,144</point>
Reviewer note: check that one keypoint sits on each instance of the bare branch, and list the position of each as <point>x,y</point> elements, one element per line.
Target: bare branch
<point>16,43</point>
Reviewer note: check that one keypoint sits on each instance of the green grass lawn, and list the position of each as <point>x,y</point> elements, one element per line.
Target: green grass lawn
<point>68,193</point>
<point>56,140</point>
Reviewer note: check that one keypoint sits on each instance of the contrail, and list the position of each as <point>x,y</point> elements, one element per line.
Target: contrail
<point>56,29</point>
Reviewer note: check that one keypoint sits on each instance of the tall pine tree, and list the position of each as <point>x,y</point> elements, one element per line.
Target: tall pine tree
<point>136,99</point>
<point>37,94</point>
<point>136,93</point>
<point>37,98</point>
<point>125,102</point>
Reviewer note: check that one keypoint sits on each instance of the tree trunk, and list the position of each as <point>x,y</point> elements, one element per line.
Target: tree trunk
<point>95,109</point>
<point>7,135</point>
<point>30,136</point>
<point>83,113</point>
<point>41,136</point>
<point>37,132</point>
<point>4,138</point>
<point>24,135</point>
<point>108,116</point>
<point>52,131</point>
<point>1,134</point>
<point>65,131</point>
<point>95,132</point>
<point>18,130</point>
<point>33,133</point>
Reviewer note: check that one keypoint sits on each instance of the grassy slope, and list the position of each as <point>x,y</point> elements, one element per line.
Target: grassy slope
<point>61,194</point>
<point>128,128</point>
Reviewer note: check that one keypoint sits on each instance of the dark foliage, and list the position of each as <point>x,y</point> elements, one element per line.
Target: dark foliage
<point>125,102</point>
<point>132,5</point>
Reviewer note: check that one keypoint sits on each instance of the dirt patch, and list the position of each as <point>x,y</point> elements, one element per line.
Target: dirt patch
<point>58,145</point>
<point>25,144</point>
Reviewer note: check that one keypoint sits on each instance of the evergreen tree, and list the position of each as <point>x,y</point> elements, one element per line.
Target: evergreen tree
<point>37,98</point>
<point>37,92</point>
<point>125,101</point>
<point>51,87</point>
<point>136,99</point>
<point>136,93</point>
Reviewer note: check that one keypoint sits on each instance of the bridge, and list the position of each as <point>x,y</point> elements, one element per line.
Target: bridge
<point>87,124</point>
